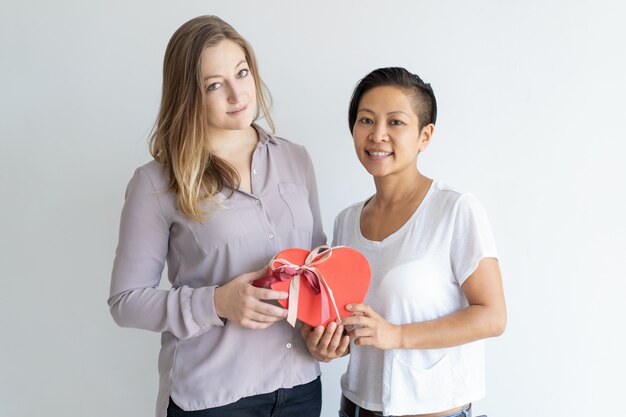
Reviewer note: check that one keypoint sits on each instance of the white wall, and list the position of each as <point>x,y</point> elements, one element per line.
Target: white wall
<point>531,98</point>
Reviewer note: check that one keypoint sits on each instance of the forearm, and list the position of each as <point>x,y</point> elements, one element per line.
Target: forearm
<point>468,325</point>
<point>185,312</point>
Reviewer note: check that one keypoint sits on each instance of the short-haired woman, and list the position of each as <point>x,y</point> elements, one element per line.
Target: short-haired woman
<point>416,343</point>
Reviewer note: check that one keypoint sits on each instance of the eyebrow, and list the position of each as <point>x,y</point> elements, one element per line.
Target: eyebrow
<point>365,109</point>
<point>243,61</point>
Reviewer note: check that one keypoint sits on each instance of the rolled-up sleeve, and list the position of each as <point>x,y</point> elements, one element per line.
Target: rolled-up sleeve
<point>472,238</point>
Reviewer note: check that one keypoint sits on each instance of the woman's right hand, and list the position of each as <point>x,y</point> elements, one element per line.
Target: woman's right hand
<point>326,344</point>
<point>240,302</point>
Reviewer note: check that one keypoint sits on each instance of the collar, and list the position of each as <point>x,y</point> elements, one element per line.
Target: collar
<point>264,137</point>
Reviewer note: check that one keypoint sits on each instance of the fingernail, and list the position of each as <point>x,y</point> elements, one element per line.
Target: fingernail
<point>349,307</point>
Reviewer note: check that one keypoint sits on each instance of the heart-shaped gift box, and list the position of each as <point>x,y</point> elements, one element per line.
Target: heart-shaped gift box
<point>329,278</point>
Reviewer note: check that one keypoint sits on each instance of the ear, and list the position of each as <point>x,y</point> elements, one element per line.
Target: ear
<point>426,134</point>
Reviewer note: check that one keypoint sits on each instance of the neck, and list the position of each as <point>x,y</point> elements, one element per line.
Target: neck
<point>391,192</point>
<point>226,143</point>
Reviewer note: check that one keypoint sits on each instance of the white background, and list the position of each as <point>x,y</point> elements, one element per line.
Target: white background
<point>531,97</point>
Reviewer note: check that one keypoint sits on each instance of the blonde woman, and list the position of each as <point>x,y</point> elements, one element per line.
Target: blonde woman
<point>416,343</point>
<point>220,198</point>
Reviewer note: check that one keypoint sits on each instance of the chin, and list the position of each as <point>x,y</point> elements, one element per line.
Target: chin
<point>245,121</point>
<point>375,172</point>
<point>240,124</point>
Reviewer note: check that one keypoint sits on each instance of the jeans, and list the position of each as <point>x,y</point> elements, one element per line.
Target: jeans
<point>300,401</point>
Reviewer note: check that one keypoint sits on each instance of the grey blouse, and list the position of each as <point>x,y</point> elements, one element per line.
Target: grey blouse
<point>203,362</point>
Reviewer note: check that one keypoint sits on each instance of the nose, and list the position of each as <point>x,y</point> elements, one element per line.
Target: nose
<point>378,133</point>
<point>234,94</point>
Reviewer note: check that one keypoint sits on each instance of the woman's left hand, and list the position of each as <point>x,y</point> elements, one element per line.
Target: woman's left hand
<point>326,344</point>
<point>374,330</point>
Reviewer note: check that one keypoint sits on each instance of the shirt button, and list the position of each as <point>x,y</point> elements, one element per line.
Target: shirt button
<point>257,202</point>
<point>254,171</point>
<point>288,345</point>
<point>271,236</point>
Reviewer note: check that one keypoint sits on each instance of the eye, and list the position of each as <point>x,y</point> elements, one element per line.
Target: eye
<point>396,122</point>
<point>213,86</point>
<point>243,73</point>
<point>365,121</point>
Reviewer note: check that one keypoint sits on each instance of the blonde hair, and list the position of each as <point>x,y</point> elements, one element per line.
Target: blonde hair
<point>179,140</point>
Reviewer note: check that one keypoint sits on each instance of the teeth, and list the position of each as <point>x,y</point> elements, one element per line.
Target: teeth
<point>379,153</point>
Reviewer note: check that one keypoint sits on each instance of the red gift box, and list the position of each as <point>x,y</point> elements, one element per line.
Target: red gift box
<point>320,282</point>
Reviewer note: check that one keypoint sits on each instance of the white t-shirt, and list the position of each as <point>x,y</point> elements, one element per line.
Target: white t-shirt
<point>417,273</point>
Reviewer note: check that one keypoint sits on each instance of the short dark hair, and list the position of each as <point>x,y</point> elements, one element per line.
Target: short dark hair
<point>421,92</point>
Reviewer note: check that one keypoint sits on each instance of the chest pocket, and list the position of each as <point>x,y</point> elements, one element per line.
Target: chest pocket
<point>296,198</point>
<point>219,228</point>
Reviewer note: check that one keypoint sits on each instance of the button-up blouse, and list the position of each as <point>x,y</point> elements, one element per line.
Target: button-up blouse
<point>204,362</point>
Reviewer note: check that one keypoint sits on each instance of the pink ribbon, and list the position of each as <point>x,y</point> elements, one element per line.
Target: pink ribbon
<point>282,270</point>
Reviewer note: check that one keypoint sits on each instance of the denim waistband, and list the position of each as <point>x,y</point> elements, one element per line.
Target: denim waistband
<point>466,412</point>
<point>350,409</point>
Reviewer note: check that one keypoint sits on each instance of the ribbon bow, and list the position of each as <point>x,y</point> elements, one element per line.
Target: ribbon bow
<point>282,270</point>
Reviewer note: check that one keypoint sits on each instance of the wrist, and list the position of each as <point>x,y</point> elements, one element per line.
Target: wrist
<point>400,342</point>
<point>217,293</point>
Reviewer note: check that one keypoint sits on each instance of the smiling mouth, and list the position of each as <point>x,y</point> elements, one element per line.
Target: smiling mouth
<point>378,154</point>
<point>239,110</point>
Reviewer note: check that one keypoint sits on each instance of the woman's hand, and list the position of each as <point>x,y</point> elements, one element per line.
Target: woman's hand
<point>373,329</point>
<point>240,302</point>
<point>326,344</point>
